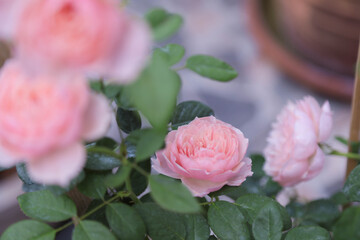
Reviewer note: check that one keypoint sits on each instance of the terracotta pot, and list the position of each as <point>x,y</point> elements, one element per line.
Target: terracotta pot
<point>324,31</point>
<point>270,24</point>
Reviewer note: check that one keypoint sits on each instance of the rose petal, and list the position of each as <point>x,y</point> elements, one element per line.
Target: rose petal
<point>242,174</point>
<point>304,136</point>
<point>160,164</point>
<point>58,167</point>
<point>7,159</point>
<point>200,188</point>
<point>97,118</point>
<point>292,173</point>
<point>126,63</point>
<point>9,15</point>
<point>325,124</point>
<point>317,163</point>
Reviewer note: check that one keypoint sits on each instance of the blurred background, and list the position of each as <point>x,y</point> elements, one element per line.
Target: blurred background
<point>283,51</point>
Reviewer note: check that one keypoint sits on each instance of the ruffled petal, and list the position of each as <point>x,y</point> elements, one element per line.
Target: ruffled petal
<point>292,173</point>
<point>127,62</point>
<point>160,164</point>
<point>325,124</point>
<point>97,118</point>
<point>242,174</point>
<point>316,165</point>
<point>58,167</point>
<point>200,188</point>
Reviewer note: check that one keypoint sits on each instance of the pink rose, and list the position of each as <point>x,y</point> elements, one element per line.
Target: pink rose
<point>94,36</point>
<point>43,121</point>
<point>292,154</point>
<point>206,154</point>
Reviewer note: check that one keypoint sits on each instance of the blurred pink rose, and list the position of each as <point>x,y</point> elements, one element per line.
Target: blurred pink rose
<point>94,36</point>
<point>292,154</point>
<point>43,121</point>
<point>206,154</point>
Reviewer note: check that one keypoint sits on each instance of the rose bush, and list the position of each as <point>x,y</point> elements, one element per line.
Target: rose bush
<point>44,120</point>
<point>292,154</point>
<point>206,154</point>
<point>91,36</point>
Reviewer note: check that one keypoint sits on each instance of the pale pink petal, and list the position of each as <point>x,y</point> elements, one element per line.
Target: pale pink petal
<point>292,173</point>
<point>97,118</point>
<point>305,139</point>
<point>10,11</point>
<point>160,164</point>
<point>316,165</point>
<point>200,188</point>
<point>326,123</point>
<point>129,59</point>
<point>242,174</point>
<point>7,159</point>
<point>58,167</point>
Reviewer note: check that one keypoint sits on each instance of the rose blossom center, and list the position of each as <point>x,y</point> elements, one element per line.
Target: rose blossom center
<point>207,147</point>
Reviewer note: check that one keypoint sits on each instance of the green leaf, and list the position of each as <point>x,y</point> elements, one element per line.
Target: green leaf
<point>29,230</point>
<point>252,204</point>
<point>347,227</point>
<point>295,209</point>
<point>34,187</point>
<point>101,155</point>
<point>227,221</point>
<point>112,90</point>
<point>44,205</point>
<point>98,215</point>
<point>268,223</point>
<point>155,92</point>
<point>163,24</point>
<point>352,185</point>
<point>172,195</point>
<point>128,120</point>
<point>122,100</point>
<point>258,161</point>
<point>125,222</point>
<point>172,53</point>
<point>308,233</point>
<point>161,224</point>
<point>339,198</point>
<point>94,185</point>
<point>99,160</point>
<point>196,227</point>
<point>187,111</point>
<point>117,179</point>
<point>271,188</point>
<point>232,192</point>
<point>322,211</point>
<point>97,86</point>
<point>147,142</point>
<point>210,67</point>
<point>139,182</point>
<point>91,230</point>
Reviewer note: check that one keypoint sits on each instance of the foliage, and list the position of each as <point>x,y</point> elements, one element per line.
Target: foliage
<point>117,175</point>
